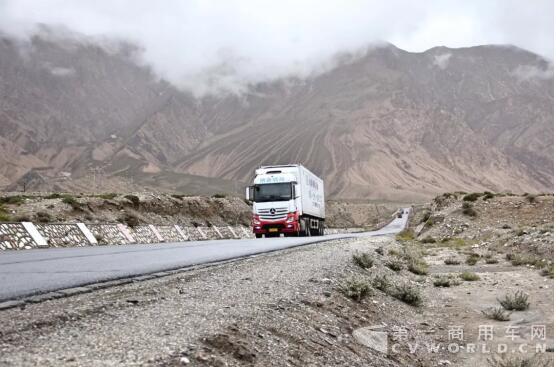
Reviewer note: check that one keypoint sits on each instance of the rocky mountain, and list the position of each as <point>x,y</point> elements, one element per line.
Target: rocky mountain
<point>386,124</point>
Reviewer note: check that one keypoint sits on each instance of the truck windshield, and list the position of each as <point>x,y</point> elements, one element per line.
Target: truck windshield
<point>273,192</point>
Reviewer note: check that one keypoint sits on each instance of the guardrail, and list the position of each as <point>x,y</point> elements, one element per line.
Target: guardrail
<point>27,235</point>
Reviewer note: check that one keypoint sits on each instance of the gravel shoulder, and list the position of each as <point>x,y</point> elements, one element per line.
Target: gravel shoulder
<point>279,309</point>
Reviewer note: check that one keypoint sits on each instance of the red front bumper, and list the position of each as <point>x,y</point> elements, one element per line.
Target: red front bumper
<point>275,226</point>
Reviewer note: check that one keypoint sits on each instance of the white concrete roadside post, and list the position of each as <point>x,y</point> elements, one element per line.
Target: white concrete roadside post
<point>34,233</point>
<point>218,232</point>
<point>127,234</point>
<point>181,232</point>
<point>203,234</point>
<point>156,233</point>
<point>87,233</point>
<point>232,232</point>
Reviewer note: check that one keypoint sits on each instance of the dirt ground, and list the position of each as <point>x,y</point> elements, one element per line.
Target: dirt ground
<point>165,209</point>
<point>338,303</point>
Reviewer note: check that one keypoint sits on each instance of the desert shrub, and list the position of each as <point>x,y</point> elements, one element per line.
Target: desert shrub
<point>178,196</point>
<point>444,282</point>
<point>472,259</point>
<point>382,283</point>
<point>4,216</point>
<point>428,239</point>
<point>363,260</point>
<point>71,201</point>
<point>130,219</point>
<point>522,259</point>
<point>108,196</point>
<point>405,235</point>
<point>43,217</point>
<point>14,200</point>
<point>53,196</point>
<point>452,260</point>
<point>393,252</point>
<point>469,276</point>
<point>417,266</point>
<point>22,218</point>
<point>467,209</point>
<point>219,196</point>
<point>380,251</point>
<point>506,226</point>
<point>472,197</point>
<point>488,195</point>
<point>356,288</point>
<point>531,198</point>
<point>394,265</point>
<point>491,260</point>
<point>497,313</point>
<point>548,271</point>
<point>133,198</point>
<point>517,301</point>
<point>408,294</point>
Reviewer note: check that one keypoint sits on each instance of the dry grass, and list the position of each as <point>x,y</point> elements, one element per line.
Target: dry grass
<point>517,301</point>
<point>469,276</point>
<point>382,283</point>
<point>363,260</point>
<point>408,294</point>
<point>356,288</point>
<point>405,235</point>
<point>394,265</point>
<point>452,260</point>
<point>444,282</point>
<point>497,313</point>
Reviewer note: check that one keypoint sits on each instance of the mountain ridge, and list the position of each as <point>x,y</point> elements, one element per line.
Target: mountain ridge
<point>388,124</point>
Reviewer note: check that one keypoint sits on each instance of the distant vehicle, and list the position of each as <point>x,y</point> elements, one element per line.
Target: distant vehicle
<point>400,214</point>
<point>287,199</point>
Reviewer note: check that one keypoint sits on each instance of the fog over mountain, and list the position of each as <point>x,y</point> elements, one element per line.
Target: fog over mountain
<point>210,47</point>
<point>385,123</point>
<point>400,100</point>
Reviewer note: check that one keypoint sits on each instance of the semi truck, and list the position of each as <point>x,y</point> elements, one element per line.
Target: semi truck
<point>287,199</point>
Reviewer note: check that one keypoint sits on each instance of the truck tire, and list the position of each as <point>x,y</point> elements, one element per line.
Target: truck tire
<point>305,231</point>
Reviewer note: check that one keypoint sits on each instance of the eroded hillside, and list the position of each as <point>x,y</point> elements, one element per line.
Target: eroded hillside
<point>389,124</point>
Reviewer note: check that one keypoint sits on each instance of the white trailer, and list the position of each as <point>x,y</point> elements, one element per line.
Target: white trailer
<point>287,199</point>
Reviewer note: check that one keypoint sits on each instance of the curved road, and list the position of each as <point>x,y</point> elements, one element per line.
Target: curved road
<point>30,272</point>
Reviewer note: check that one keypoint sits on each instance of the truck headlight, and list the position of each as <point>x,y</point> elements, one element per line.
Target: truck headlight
<point>291,218</point>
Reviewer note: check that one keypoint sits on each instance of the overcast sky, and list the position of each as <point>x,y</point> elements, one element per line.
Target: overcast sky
<point>227,43</point>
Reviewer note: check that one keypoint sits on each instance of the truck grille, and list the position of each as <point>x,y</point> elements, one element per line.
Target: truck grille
<point>279,213</point>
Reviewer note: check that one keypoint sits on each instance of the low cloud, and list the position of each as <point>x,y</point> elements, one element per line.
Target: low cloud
<point>533,72</point>
<point>442,60</point>
<point>206,47</point>
<point>60,71</point>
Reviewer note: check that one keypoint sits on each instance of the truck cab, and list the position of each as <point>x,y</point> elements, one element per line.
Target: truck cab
<point>283,202</point>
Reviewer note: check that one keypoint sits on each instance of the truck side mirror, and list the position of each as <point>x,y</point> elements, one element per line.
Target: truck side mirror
<point>296,192</point>
<point>249,193</point>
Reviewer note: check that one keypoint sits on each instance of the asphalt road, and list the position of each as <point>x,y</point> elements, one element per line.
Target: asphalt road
<point>29,272</point>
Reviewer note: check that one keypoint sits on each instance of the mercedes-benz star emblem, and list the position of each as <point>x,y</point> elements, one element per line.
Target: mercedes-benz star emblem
<point>272,211</point>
